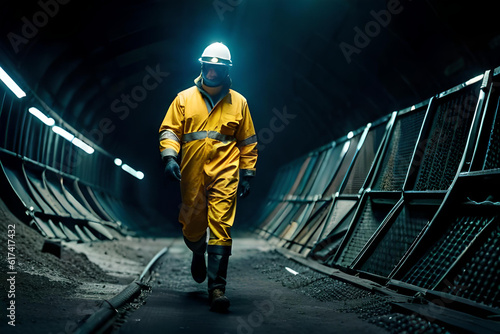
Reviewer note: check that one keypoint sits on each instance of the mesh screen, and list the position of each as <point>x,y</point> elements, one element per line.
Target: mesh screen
<point>298,221</point>
<point>372,216</point>
<point>339,232</point>
<point>288,228</point>
<point>327,248</point>
<point>268,219</point>
<point>342,170</point>
<point>313,224</point>
<point>281,222</point>
<point>492,159</point>
<point>364,160</point>
<point>400,150</point>
<point>339,211</point>
<point>305,176</point>
<point>297,178</point>
<point>397,240</point>
<point>304,219</point>
<point>313,175</point>
<point>445,144</point>
<point>432,266</point>
<point>478,278</point>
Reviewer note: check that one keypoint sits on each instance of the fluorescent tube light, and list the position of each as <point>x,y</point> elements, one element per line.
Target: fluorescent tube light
<point>133,172</point>
<point>11,84</point>
<point>346,147</point>
<point>63,133</point>
<point>41,116</point>
<point>474,80</point>
<point>82,145</point>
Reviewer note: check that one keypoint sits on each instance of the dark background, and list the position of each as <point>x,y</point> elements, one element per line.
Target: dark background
<point>329,66</point>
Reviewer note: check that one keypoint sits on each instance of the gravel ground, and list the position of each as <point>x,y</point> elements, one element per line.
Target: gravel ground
<point>265,297</point>
<point>53,294</point>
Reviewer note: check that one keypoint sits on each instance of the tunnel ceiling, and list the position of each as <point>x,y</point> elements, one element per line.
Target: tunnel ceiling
<point>311,70</point>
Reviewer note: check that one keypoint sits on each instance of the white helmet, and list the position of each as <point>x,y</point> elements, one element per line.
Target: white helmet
<point>216,53</point>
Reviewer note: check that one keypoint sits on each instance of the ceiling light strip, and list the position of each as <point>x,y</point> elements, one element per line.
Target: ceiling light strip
<point>7,80</point>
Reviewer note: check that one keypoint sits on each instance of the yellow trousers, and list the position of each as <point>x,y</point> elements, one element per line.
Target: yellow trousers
<point>208,202</point>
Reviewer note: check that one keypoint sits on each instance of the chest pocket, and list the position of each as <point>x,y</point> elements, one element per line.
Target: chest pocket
<point>229,122</point>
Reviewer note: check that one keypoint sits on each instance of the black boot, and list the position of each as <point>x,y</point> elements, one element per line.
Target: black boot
<point>218,259</point>
<point>218,301</point>
<point>198,266</point>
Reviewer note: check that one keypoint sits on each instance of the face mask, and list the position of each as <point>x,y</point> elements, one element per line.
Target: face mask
<point>214,75</point>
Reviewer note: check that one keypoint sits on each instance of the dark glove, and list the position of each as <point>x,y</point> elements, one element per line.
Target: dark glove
<point>172,169</point>
<point>244,186</point>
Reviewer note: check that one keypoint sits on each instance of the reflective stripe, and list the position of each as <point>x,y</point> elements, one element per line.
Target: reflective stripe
<point>220,137</point>
<point>167,134</point>
<point>187,137</point>
<point>248,141</point>
<point>204,134</point>
<point>168,152</point>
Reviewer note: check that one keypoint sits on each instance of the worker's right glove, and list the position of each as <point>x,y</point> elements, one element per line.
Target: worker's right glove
<point>244,186</point>
<point>172,169</point>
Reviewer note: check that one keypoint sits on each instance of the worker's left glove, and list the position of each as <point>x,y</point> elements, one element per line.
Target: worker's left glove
<point>244,186</point>
<point>172,169</point>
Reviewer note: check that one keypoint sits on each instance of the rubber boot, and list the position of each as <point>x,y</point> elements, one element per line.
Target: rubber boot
<point>198,266</point>
<point>217,273</point>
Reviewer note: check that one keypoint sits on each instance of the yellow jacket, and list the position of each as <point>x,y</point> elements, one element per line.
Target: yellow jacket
<point>218,140</point>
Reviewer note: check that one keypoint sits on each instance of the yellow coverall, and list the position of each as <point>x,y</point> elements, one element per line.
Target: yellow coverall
<point>216,144</point>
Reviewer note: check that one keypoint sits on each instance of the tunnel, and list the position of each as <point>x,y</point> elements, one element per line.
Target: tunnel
<point>372,204</point>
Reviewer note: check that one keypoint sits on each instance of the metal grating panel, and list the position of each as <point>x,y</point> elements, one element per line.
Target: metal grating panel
<point>296,222</point>
<point>313,224</point>
<point>371,218</point>
<point>326,249</point>
<point>446,142</point>
<point>277,220</point>
<point>478,278</point>
<point>305,178</point>
<point>341,208</point>
<point>271,211</point>
<point>398,239</point>
<point>433,266</point>
<point>492,159</point>
<point>364,160</point>
<point>314,174</point>
<point>400,150</point>
<point>335,184</point>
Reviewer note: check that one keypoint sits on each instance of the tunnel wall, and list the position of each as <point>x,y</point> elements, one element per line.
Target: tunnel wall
<point>56,187</point>
<point>410,201</point>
